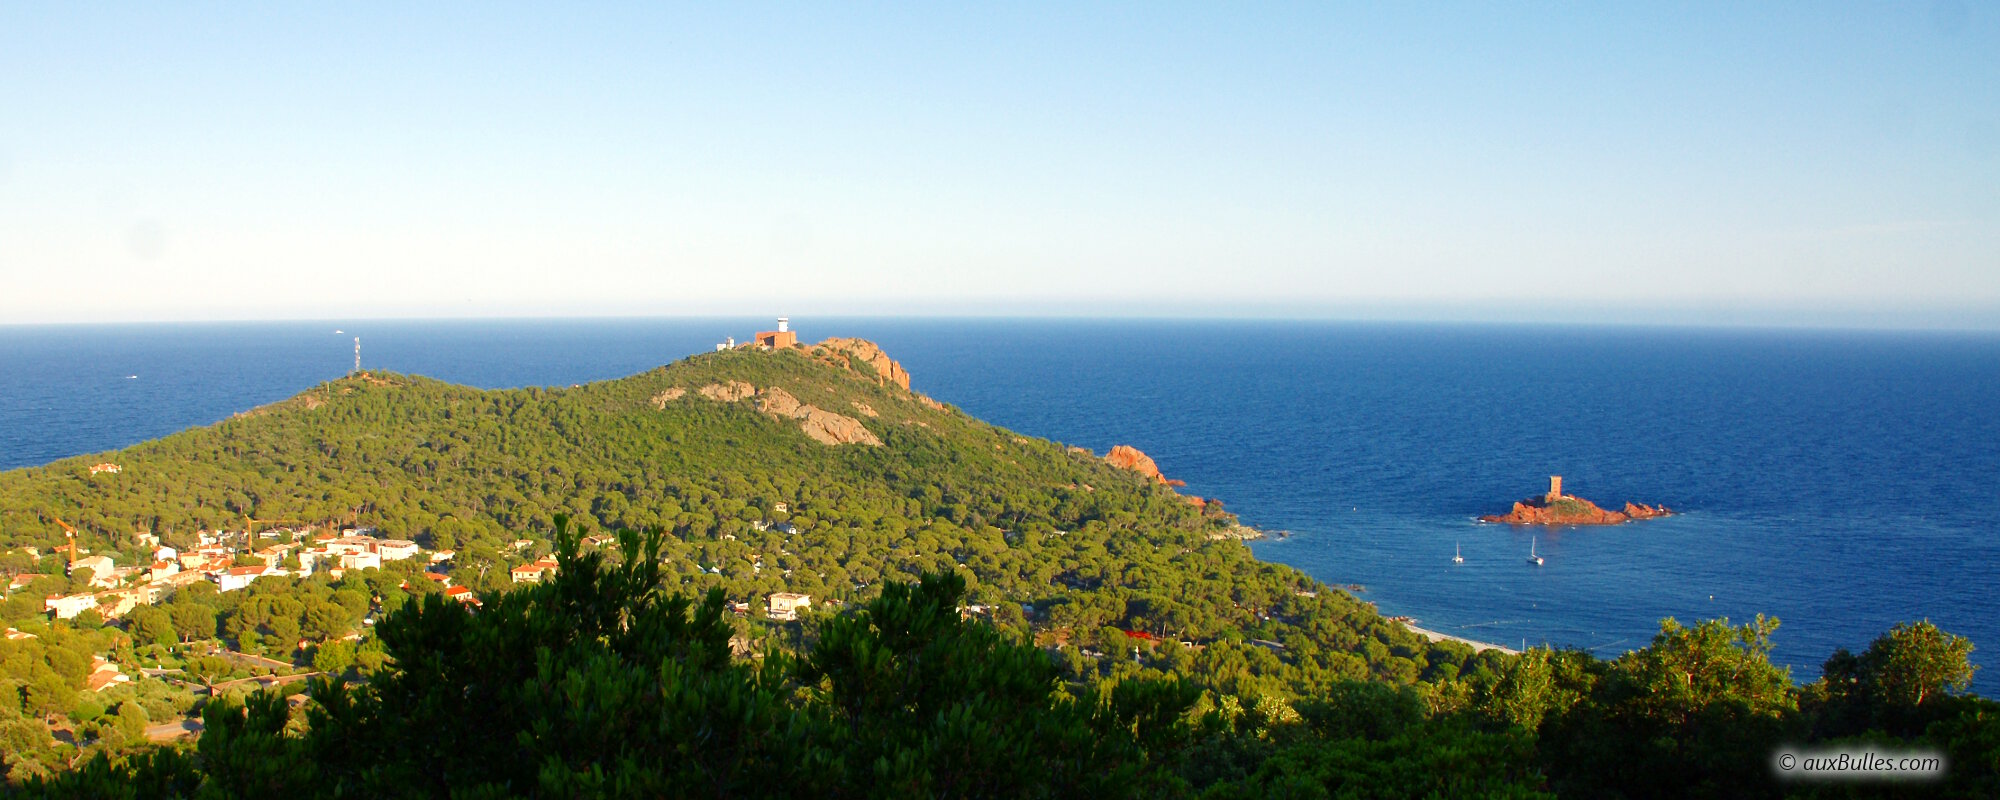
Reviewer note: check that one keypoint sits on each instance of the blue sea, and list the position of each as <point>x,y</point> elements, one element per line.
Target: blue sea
<point>1839,481</point>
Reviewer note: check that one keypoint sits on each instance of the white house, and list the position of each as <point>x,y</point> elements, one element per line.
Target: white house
<point>395,549</point>
<point>100,569</point>
<point>234,578</point>
<point>787,605</point>
<point>69,606</point>
<point>360,561</point>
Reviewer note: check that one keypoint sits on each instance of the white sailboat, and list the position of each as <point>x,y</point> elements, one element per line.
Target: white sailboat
<point>1532,558</point>
<point>1455,557</point>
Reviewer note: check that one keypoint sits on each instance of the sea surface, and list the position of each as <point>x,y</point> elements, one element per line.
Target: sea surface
<point>1839,481</point>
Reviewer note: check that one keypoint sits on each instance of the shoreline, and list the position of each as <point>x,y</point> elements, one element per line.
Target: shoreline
<point>1475,644</point>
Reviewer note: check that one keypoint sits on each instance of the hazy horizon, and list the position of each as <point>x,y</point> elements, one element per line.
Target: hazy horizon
<point>828,324</point>
<point>1707,165</point>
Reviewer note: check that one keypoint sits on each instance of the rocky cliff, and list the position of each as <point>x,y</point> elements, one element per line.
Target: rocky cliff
<point>1128,457</point>
<point>862,351</point>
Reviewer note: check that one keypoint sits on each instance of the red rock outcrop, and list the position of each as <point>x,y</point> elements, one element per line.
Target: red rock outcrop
<point>867,352</point>
<point>779,403</point>
<point>826,427</point>
<point>1128,457</point>
<point>728,392</point>
<point>1571,510</point>
<point>819,424</point>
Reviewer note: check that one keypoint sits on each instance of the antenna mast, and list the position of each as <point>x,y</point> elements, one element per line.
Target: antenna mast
<point>357,354</point>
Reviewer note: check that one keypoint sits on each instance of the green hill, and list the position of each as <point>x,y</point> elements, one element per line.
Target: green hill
<point>1025,521</point>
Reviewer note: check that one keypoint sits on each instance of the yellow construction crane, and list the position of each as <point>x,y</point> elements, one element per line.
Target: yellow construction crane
<point>70,532</point>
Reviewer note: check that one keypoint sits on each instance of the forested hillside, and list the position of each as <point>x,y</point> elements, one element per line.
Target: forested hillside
<point>1086,547</point>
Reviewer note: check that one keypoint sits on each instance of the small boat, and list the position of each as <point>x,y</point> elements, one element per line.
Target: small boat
<point>1532,558</point>
<point>131,377</point>
<point>1455,557</point>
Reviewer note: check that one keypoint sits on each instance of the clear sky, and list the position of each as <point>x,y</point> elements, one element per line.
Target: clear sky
<point>1760,163</point>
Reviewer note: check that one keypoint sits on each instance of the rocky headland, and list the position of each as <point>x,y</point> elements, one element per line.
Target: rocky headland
<point>1132,458</point>
<point>1556,508</point>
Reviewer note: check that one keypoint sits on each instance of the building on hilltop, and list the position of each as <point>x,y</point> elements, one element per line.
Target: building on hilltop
<point>1555,489</point>
<point>783,337</point>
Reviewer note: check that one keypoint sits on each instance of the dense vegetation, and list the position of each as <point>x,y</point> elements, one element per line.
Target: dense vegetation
<point>602,683</point>
<point>1129,645</point>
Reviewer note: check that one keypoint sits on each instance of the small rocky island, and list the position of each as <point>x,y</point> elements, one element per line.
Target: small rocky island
<point>1556,508</point>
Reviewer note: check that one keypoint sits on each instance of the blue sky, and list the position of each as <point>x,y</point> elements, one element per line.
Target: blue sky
<point>1694,163</point>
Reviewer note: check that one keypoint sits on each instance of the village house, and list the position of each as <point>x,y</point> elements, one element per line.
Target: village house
<point>151,593</point>
<point>104,675</point>
<point>68,606</point>
<point>462,594</point>
<point>234,578</point>
<point>274,556</point>
<point>350,544</point>
<point>105,468</point>
<point>22,580</point>
<point>787,605</point>
<point>535,572</point>
<point>362,560</point>
<point>100,570</point>
<point>124,575</point>
<point>395,549</point>
<point>115,604</point>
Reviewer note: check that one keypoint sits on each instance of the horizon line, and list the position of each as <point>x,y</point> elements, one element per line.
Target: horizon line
<point>1984,322</point>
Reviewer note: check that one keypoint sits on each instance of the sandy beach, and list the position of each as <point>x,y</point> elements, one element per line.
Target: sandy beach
<point>1475,644</point>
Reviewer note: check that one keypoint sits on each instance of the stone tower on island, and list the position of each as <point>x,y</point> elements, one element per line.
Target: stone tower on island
<point>1555,489</point>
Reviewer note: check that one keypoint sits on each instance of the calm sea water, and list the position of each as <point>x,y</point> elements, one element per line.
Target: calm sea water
<point>1840,481</point>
